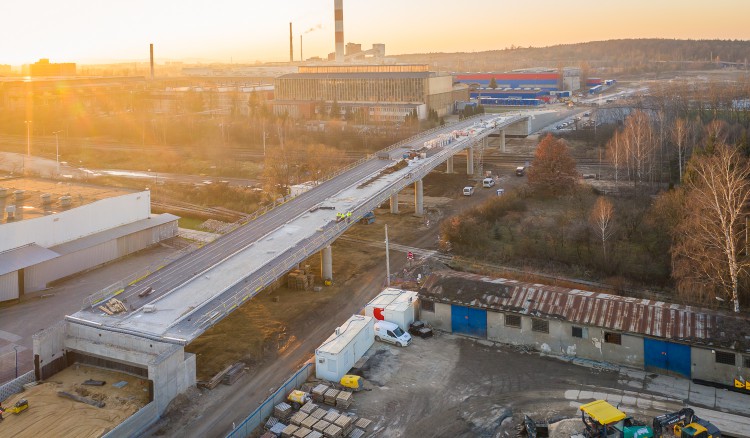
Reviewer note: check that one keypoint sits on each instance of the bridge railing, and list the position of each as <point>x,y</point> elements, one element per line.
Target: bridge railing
<point>314,245</point>
<point>118,287</point>
<point>252,288</point>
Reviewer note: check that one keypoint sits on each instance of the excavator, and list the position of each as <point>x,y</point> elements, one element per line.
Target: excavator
<point>684,424</point>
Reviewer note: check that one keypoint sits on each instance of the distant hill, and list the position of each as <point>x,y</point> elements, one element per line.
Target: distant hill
<point>625,56</point>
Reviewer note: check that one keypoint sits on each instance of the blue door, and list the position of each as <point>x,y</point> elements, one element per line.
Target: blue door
<point>469,321</point>
<point>666,357</point>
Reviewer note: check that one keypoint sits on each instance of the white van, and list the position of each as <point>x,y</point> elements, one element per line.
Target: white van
<point>468,191</point>
<point>389,332</point>
<point>488,182</point>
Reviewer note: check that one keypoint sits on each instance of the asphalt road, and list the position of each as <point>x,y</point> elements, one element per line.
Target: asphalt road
<point>182,270</point>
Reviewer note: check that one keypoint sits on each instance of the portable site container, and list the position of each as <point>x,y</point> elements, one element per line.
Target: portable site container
<point>394,305</point>
<point>336,356</point>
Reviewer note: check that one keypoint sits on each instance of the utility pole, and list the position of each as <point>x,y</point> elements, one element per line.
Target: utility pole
<point>57,150</point>
<point>387,260</point>
<point>28,137</point>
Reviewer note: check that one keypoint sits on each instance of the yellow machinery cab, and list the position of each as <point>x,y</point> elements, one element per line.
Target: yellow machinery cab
<point>599,416</point>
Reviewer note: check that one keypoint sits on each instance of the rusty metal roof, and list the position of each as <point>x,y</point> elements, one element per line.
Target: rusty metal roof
<point>635,315</point>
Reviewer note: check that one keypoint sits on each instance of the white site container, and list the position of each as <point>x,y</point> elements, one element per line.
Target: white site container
<point>394,305</point>
<point>337,355</point>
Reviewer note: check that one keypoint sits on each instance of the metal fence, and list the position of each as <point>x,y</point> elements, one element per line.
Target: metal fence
<point>255,419</point>
<point>8,366</point>
<point>16,385</point>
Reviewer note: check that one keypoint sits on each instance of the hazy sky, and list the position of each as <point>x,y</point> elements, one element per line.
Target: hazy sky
<point>244,31</point>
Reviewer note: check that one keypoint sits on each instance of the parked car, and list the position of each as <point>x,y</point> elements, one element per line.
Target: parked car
<point>520,171</point>
<point>488,182</point>
<point>468,191</point>
<point>389,332</point>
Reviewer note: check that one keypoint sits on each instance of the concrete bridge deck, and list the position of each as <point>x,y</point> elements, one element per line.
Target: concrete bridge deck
<point>199,289</point>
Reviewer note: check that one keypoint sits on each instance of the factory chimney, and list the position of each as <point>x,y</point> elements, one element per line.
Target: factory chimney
<point>291,44</point>
<point>151,49</point>
<point>301,58</point>
<point>338,14</point>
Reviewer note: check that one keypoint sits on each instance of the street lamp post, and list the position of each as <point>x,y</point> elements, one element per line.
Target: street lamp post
<point>57,150</point>
<point>15,348</point>
<point>28,137</point>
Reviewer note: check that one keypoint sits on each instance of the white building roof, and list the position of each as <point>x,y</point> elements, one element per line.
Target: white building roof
<point>394,299</point>
<point>347,332</point>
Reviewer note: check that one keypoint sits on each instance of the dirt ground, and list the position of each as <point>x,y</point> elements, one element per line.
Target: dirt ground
<point>52,415</point>
<point>451,386</point>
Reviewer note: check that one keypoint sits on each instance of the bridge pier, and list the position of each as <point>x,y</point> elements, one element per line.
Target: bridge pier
<point>326,263</point>
<point>418,198</point>
<point>394,203</point>
<point>449,165</point>
<point>502,140</point>
<point>470,161</point>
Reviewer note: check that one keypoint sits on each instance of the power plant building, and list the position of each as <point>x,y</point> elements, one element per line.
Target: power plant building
<point>50,231</point>
<point>378,93</point>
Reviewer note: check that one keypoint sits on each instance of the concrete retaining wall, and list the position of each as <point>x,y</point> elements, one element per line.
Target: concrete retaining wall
<point>136,423</point>
<point>172,373</point>
<point>49,344</point>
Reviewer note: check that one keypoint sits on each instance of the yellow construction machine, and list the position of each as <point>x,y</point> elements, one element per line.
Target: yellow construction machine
<point>684,424</point>
<point>21,405</point>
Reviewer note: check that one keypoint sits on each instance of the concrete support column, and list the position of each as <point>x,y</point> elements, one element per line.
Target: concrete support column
<point>470,161</point>
<point>418,198</point>
<point>326,263</point>
<point>502,140</point>
<point>449,165</point>
<point>394,203</point>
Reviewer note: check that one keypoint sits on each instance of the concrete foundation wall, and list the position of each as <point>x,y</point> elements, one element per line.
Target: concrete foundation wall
<point>49,344</point>
<point>136,423</point>
<point>704,366</point>
<point>172,373</point>
<point>171,370</point>
<point>128,349</point>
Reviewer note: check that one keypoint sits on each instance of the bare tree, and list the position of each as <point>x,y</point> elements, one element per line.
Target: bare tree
<point>680,131</point>
<point>602,220</point>
<point>638,143</point>
<point>710,238</point>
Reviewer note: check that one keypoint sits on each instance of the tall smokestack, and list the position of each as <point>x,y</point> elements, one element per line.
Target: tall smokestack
<point>338,15</point>
<point>151,49</point>
<point>291,44</point>
<point>302,58</point>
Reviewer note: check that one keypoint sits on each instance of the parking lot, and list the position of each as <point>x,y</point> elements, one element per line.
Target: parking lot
<point>450,386</point>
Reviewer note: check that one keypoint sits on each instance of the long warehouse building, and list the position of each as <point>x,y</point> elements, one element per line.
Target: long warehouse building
<point>50,230</point>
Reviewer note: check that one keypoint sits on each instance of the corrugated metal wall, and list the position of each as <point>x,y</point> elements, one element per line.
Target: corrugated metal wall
<point>9,286</point>
<point>38,276</point>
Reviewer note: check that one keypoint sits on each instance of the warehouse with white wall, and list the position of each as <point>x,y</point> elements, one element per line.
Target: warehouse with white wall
<point>50,231</point>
